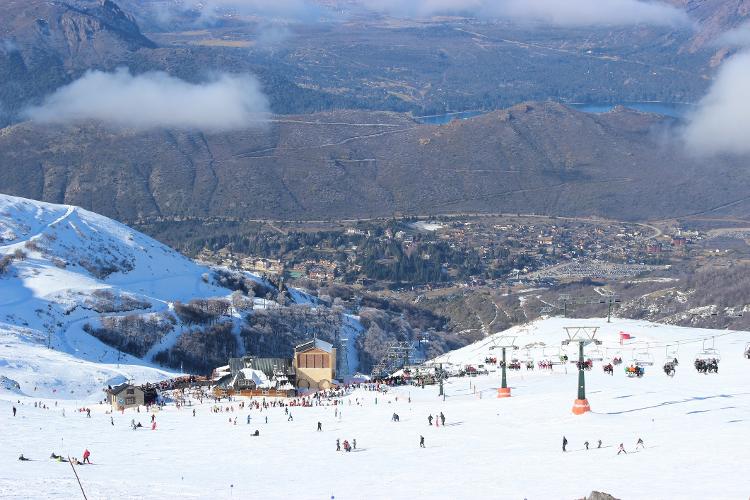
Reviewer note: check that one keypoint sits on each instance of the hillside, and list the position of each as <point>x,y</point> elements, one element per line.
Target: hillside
<point>46,44</point>
<point>532,158</point>
<point>63,267</point>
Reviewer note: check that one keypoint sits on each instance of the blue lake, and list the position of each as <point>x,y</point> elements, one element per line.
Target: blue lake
<point>676,110</point>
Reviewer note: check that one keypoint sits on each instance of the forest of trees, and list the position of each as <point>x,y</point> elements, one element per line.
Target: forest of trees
<point>201,349</point>
<point>133,334</point>
<point>275,332</point>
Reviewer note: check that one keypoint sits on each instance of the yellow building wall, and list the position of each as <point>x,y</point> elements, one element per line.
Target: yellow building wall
<point>312,377</point>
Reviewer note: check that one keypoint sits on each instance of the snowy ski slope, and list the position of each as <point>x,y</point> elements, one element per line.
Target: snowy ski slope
<point>695,428</point>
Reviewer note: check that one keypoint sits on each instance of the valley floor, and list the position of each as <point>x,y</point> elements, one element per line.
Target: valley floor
<point>695,429</point>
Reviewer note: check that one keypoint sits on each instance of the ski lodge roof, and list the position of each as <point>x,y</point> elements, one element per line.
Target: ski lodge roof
<point>314,344</point>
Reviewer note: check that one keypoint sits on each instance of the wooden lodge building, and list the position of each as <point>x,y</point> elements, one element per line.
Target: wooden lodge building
<point>312,368</point>
<point>125,396</point>
<point>315,365</point>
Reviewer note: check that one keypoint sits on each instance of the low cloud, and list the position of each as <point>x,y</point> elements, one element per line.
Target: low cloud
<point>156,100</point>
<point>737,37</point>
<point>721,121</point>
<point>8,46</point>
<point>291,10</point>
<point>550,12</point>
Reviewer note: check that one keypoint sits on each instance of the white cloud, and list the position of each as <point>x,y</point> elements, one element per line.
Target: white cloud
<point>156,100</point>
<point>293,10</point>
<point>737,37</point>
<point>721,122</point>
<point>551,12</point>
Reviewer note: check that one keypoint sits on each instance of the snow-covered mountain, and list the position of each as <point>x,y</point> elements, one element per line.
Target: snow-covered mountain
<point>86,301</point>
<point>61,267</point>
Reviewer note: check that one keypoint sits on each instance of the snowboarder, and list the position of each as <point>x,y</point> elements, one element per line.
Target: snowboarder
<point>442,419</point>
<point>23,459</point>
<point>338,445</point>
<point>14,411</point>
<point>640,443</point>
<point>429,419</point>
<point>395,417</point>
<point>421,441</point>
<point>256,433</point>
<point>565,443</point>
<point>621,449</point>
<point>586,444</point>
<point>320,427</point>
<point>86,455</point>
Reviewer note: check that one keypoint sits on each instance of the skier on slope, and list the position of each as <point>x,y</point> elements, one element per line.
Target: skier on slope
<point>565,443</point>
<point>338,445</point>
<point>86,455</point>
<point>421,441</point>
<point>429,419</point>
<point>621,449</point>
<point>442,419</point>
<point>640,443</point>
<point>600,444</point>
<point>586,444</point>
<point>320,427</point>
<point>14,410</point>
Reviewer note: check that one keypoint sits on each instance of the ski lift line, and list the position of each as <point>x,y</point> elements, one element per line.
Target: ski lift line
<point>680,342</point>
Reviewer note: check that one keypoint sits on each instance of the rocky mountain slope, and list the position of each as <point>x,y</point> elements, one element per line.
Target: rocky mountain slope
<point>46,44</point>
<point>535,157</point>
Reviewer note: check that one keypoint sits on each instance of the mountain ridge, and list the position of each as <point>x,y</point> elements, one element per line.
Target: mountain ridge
<point>531,158</point>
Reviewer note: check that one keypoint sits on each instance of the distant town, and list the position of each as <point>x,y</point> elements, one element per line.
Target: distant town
<point>496,250</point>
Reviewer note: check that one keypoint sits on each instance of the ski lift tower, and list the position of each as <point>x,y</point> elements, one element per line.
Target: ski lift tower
<point>504,343</point>
<point>583,335</point>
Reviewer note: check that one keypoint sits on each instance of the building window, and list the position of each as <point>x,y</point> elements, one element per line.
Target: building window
<point>129,401</point>
<point>131,391</point>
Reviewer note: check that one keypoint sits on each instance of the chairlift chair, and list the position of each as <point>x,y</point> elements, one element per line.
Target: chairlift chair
<point>709,353</point>
<point>643,358</point>
<point>671,353</point>
<point>552,355</point>
<point>595,354</point>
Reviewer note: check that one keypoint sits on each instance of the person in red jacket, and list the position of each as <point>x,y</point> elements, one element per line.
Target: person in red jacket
<point>86,455</point>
